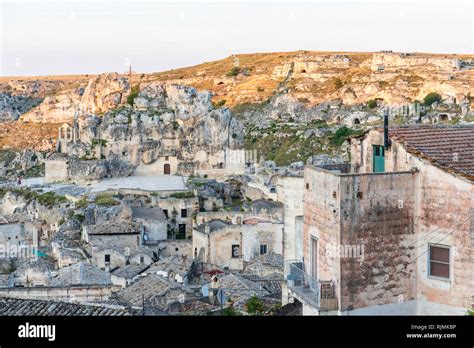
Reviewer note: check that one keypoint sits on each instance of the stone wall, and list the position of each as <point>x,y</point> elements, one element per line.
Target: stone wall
<point>86,293</point>
<point>217,246</point>
<point>377,229</point>
<point>443,208</point>
<point>290,191</point>
<point>56,170</point>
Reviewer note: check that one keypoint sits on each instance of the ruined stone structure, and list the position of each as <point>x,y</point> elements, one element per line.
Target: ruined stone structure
<point>230,245</point>
<point>170,130</point>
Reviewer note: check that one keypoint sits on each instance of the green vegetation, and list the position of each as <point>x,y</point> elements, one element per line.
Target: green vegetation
<point>81,203</point>
<point>255,306</point>
<point>431,98</point>
<point>249,107</point>
<point>230,311</point>
<point>286,144</point>
<point>35,171</point>
<point>50,198</point>
<point>105,199</point>
<point>187,194</point>
<point>133,94</point>
<point>338,83</point>
<point>101,142</point>
<point>234,71</point>
<point>175,125</point>
<point>79,217</point>
<point>371,104</point>
<point>470,312</point>
<point>342,134</point>
<point>219,104</point>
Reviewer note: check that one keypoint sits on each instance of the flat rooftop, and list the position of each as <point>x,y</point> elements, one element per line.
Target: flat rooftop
<point>143,183</point>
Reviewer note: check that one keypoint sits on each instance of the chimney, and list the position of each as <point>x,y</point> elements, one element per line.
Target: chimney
<point>386,140</point>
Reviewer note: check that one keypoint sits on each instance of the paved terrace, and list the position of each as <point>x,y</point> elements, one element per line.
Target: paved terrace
<point>160,183</point>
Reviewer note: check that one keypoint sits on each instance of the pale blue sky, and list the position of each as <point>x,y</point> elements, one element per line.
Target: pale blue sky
<point>71,37</point>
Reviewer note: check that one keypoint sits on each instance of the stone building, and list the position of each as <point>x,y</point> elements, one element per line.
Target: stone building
<point>230,245</point>
<point>154,223</point>
<point>396,234</point>
<point>179,213</point>
<point>290,192</point>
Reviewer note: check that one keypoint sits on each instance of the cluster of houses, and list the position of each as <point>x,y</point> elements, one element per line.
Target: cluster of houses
<point>391,232</point>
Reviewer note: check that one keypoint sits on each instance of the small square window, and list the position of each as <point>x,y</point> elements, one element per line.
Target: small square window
<point>107,258</point>
<point>439,261</point>
<point>167,158</point>
<point>184,213</point>
<point>307,186</point>
<point>263,249</point>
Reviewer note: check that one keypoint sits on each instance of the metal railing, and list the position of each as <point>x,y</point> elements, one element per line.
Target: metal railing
<point>320,293</point>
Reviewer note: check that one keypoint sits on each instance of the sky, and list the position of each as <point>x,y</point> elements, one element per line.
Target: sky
<point>71,37</point>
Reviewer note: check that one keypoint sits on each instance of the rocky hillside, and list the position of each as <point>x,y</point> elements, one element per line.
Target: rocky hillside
<point>283,99</point>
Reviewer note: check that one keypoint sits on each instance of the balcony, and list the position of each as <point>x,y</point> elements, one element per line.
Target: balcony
<point>320,294</point>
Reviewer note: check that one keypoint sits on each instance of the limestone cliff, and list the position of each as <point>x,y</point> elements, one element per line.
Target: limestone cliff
<point>168,121</point>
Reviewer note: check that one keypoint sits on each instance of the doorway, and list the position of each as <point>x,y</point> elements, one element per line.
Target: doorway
<point>167,169</point>
<point>378,158</point>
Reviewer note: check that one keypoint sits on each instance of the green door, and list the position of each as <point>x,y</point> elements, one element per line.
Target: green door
<point>378,159</point>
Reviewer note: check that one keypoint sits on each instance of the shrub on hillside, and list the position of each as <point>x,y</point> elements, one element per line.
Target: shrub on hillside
<point>432,98</point>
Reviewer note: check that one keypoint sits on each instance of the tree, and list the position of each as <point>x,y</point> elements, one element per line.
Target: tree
<point>255,306</point>
<point>338,83</point>
<point>431,98</point>
<point>371,104</point>
<point>234,71</point>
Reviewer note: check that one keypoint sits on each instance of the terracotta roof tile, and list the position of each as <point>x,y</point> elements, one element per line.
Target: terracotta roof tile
<point>450,148</point>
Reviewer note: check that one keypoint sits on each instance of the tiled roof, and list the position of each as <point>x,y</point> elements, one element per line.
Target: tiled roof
<point>145,213</point>
<point>17,307</point>
<point>450,148</point>
<point>81,274</point>
<point>265,264</point>
<point>148,288</point>
<point>176,264</point>
<point>129,271</point>
<point>240,289</point>
<point>214,225</point>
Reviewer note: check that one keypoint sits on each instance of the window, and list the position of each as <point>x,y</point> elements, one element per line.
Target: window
<point>165,211</point>
<point>107,258</point>
<point>184,213</point>
<point>263,249</point>
<point>439,261</point>
<point>307,186</point>
<point>167,158</point>
<point>142,259</point>
<point>235,251</point>
<point>182,228</point>
<point>272,190</point>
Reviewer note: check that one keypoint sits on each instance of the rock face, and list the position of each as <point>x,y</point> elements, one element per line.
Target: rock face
<point>12,106</point>
<point>168,123</point>
<point>285,108</point>
<point>102,93</point>
<point>54,109</point>
<point>12,202</point>
<point>105,92</point>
